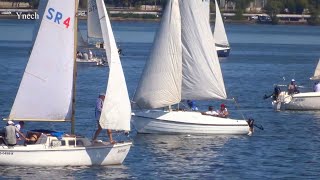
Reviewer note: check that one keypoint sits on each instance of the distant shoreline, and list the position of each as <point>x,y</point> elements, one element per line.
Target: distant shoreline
<point>228,21</point>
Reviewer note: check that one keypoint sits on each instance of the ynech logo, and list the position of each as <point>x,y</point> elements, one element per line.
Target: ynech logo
<point>29,16</point>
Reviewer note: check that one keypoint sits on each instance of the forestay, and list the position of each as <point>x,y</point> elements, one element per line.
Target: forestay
<point>116,112</point>
<point>45,91</point>
<point>93,22</point>
<point>220,35</point>
<point>316,75</point>
<point>202,77</point>
<point>160,83</point>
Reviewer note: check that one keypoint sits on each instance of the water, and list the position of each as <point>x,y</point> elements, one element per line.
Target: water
<point>261,56</point>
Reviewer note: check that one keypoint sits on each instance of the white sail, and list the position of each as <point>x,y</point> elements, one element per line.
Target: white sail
<point>116,112</point>
<point>41,8</point>
<point>206,8</point>
<point>219,34</point>
<point>45,90</point>
<point>160,83</point>
<point>316,75</point>
<point>93,22</point>
<point>202,77</point>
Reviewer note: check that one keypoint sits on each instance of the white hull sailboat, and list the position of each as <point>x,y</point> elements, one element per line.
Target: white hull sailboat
<point>301,101</point>
<point>220,35</point>
<point>47,94</point>
<point>183,122</point>
<point>182,66</point>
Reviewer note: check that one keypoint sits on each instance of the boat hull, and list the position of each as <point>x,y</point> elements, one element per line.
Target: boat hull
<point>301,101</point>
<point>183,122</point>
<point>41,155</point>
<point>223,51</point>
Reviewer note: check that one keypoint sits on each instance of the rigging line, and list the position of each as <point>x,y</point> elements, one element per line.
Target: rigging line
<point>237,105</point>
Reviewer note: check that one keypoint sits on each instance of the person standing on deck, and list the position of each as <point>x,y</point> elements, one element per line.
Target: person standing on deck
<point>98,109</point>
<point>10,134</point>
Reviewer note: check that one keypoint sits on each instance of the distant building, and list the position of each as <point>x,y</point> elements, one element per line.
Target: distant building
<point>255,6</point>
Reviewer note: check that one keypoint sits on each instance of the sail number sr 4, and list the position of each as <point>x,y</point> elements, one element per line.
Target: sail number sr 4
<point>57,17</point>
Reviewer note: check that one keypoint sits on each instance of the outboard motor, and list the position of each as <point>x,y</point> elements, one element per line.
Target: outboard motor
<point>276,92</point>
<point>250,122</point>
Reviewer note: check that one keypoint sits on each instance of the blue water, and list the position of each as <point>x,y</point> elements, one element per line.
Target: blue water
<point>261,56</point>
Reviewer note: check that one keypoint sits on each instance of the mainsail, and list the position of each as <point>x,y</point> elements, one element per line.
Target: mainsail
<point>93,23</point>
<point>316,75</point>
<point>41,8</point>
<point>45,91</point>
<point>206,8</point>
<point>116,112</point>
<point>202,77</point>
<point>160,83</point>
<point>182,64</point>
<point>219,34</point>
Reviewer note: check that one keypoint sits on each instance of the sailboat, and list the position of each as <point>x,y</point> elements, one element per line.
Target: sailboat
<point>220,35</point>
<point>94,33</point>
<point>300,101</point>
<point>47,94</point>
<point>182,66</point>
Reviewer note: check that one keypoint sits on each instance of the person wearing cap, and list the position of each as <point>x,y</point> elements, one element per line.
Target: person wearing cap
<point>10,134</point>
<point>292,87</point>
<point>98,109</point>
<point>223,111</point>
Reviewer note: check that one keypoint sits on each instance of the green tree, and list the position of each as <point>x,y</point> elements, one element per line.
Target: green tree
<point>274,7</point>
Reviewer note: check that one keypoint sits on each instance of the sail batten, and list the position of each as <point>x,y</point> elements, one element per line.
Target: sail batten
<point>93,23</point>
<point>219,34</point>
<point>116,112</point>
<point>46,93</point>
<point>202,77</point>
<point>160,83</point>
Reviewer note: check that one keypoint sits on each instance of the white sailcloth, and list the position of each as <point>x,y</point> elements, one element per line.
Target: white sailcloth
<point>202,77</point>
<point>41,8</point>
<point>45,91</point>
<point>116,112</point>
<point>316,75</point>
<point>93,22</point>
<point>219,34</point>
<point>206,8</point>
<point>160,83</point>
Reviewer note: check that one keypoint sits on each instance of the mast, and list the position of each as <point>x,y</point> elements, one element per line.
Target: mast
<point>74,69</point>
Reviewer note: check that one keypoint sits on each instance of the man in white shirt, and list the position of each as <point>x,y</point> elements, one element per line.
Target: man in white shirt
<point>210,112</point>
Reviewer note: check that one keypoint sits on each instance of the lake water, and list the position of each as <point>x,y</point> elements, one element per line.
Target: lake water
<point>261,56</point>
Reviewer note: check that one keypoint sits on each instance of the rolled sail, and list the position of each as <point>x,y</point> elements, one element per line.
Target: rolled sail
<point>93,22</point>
<point>202,77</point>
<point>160,82</point>
<point>116,112</point>
<point>45,90</point>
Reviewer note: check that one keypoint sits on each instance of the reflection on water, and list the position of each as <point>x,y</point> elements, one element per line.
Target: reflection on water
<point>84,172</point>
<point>261,56</point>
